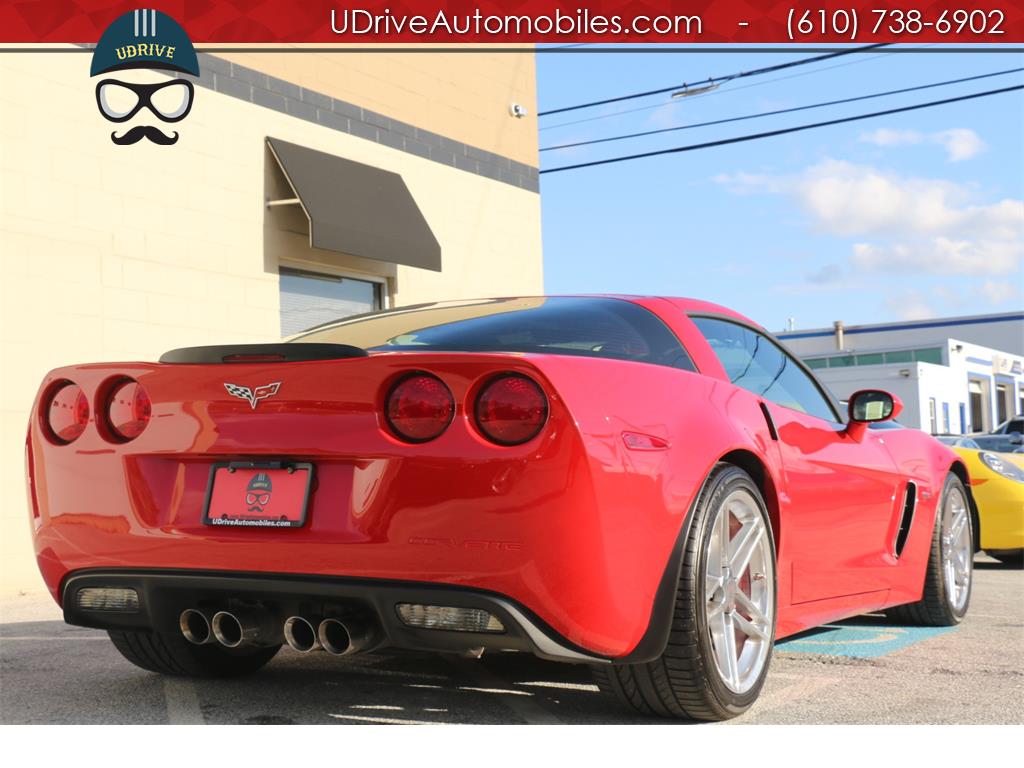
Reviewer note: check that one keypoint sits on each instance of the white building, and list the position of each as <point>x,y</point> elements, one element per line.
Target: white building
<point>954,375</point>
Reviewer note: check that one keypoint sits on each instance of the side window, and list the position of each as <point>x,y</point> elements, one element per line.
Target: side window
<point>756,363</point>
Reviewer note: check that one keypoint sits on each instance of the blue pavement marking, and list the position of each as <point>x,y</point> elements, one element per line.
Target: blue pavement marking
<point>859,640</point>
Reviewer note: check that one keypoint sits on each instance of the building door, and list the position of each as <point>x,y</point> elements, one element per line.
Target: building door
<point>1004,402</point>
<point>311,298</point>
<point>978,392</point>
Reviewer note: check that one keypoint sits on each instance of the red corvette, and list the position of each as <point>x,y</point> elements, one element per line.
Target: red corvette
<point>651,486</point>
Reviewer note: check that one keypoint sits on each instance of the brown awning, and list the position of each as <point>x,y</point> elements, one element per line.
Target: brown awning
<point>357,209</point>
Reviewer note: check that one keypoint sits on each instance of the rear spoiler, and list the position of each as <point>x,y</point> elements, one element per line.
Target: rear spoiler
<point>261,353</point>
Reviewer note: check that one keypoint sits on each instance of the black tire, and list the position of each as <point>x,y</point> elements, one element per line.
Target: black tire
<point>174,655</point>
<point>934,608</point>
<point>684,682</point>
<point>1014,558</point>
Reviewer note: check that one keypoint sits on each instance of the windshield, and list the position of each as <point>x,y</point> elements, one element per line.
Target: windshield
<point>585,326</point>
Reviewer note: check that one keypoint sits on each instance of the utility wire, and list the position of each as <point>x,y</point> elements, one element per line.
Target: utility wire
<point>714,80</point>
<point>782,131</point>
<point>779,111</point>
<point>728,91</point>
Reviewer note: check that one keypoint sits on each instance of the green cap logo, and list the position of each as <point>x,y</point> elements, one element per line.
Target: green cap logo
<point>144,38</point>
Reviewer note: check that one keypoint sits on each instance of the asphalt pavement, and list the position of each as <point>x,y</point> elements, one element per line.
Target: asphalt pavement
<point>867,670</point>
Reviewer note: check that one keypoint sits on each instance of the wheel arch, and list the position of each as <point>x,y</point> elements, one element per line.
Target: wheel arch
<point>752,464</point>
<point>653,642</point>
<point>959,469</point>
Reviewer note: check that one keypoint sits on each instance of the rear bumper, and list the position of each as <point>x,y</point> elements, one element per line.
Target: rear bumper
<point>163,595</point>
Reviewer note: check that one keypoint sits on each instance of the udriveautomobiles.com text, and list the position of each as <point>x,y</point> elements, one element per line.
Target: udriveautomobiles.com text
<point>583,22</point>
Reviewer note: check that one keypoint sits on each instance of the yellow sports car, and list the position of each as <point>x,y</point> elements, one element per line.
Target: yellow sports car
<point>997,481</point>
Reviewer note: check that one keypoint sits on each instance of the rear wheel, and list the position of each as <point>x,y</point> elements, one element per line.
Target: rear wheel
<point>950,570</point>
<point>723,626</point>
<point>174,655</point>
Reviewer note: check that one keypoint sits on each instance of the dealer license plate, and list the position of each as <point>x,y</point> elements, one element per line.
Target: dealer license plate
<point>258,494</point>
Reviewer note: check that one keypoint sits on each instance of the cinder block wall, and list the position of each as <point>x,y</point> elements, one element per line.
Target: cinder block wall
<point>120,253</point>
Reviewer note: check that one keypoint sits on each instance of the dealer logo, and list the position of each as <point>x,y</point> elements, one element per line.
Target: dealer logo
<point>141,46</point>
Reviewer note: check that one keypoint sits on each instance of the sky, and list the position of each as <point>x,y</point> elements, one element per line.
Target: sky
<point>903,217</point>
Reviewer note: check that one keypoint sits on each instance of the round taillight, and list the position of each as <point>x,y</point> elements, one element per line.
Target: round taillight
<point>68,413</point>
<point>419,408</point>
<point>511,410</point>
<point>128,409</point>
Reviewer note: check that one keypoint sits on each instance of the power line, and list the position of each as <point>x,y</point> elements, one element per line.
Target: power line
<point>779,111</point>
<point>713,80</point>
<point>727,92</point>
<point>782,131</point>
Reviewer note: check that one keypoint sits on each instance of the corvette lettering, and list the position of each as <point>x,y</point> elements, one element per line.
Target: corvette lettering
<point>426,541</point>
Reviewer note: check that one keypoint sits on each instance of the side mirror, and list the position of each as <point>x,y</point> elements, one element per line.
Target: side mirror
<point>867,406</point>
<point>1016,438</point>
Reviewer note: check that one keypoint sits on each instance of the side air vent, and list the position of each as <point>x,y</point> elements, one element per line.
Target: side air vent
<point>261,353</point>
<point>909,503</point>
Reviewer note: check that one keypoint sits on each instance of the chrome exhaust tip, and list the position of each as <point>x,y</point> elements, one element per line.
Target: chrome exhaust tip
<point>343,638</point>
<point>227,628</point>
<point>195,627</point>
<point>300,634</point>
<point>248,626</point>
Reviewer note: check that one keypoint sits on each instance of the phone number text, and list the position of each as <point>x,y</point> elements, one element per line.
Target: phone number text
<point>849,22</point>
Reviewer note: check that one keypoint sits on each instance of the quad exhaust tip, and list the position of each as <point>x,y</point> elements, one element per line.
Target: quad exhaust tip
<point>227,628</point>
<point>301,634</point>
<point>343,638</point>
<point>195,626</point>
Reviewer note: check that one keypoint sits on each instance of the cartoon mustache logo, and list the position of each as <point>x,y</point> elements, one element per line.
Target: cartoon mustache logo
<point>255,508</point>
<point>140,132</point>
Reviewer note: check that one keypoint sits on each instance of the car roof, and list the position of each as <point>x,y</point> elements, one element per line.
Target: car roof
<point>650,302</point>
<point>684,303</point>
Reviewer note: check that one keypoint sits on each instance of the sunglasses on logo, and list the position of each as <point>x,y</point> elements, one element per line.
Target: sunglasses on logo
<point>120,101</point>
<point>257,498</point>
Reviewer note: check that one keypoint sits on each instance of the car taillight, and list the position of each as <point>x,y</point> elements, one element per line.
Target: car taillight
<point>419,408</point>
<point>128,409</point>
<point>511,410</point>
<point>68,413</point>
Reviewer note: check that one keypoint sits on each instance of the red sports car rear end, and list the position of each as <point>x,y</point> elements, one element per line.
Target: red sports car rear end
<point>514,474</point>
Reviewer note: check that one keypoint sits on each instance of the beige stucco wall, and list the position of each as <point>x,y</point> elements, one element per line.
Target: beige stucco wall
<point>120,253</point>
<point>457,95</point>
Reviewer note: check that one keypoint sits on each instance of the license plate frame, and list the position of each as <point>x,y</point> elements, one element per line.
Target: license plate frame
<point>246,471</point>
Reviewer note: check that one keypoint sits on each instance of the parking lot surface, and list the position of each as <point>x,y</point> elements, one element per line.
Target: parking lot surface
<point>867,670</point>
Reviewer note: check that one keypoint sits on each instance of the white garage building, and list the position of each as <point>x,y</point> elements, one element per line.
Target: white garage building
<point>955,375</point>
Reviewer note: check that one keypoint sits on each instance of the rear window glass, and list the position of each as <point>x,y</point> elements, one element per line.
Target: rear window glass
<point>589,327</point>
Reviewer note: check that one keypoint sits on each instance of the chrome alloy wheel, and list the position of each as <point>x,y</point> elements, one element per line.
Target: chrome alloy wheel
<point>957,549</point>
<point>739,585</point>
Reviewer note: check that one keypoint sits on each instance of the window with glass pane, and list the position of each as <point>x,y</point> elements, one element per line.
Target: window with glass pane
<point>933,355</point>
<point>309,299</point>
<point>875,358</point>
<point>900,356</point>
<point>754,362</point>
<point>560,325</point>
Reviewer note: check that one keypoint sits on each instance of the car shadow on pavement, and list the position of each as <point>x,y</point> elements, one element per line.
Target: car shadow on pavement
<point>56,673</point>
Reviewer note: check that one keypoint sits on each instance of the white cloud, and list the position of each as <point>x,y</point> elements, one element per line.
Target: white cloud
<point>848,199</point>
<point>911,305</point>
<point>942,256</point>
<point>959,143</point>
<point>999,291</point>
<point>924,225</point>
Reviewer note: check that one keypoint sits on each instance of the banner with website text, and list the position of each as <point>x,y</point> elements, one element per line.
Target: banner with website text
<point>546,21</point>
